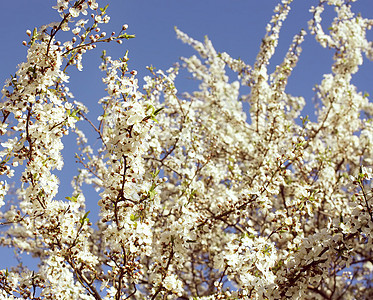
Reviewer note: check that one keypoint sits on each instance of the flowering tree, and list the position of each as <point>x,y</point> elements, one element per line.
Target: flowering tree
<point>196,201</point>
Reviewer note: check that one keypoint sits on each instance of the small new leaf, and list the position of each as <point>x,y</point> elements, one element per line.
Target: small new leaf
<point>73,198</point>
<point>84,218</point>
<point>134,218</point>
<point>103,10</point>
<point>126,36</point>
<point>155,174</point>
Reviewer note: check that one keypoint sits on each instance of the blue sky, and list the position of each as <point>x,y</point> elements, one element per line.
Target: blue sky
<point>234,26</point>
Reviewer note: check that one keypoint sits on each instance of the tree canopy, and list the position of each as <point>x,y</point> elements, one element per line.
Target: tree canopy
<point>199,199</point>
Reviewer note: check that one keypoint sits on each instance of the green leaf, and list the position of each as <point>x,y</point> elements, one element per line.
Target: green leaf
<point>305,120</point>
<point>154,119</point>
<point>103,10</point>
<point>134,218</point>
<point>155,174</point>
<point>73,113</point>
<point>152,194</point>
<point>73,198</point>
<point>192,194</point>
<point>126,36</point>
<point>149,106</point>
<point>151,68</point>
<point>103,54</point>
<point>34,34</point>
<point>84,218</point>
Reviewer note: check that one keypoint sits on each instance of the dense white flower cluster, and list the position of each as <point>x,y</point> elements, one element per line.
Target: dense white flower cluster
<point>197,200</point>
